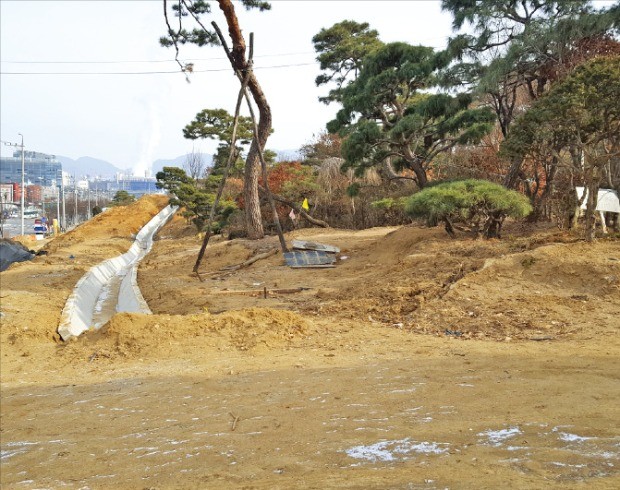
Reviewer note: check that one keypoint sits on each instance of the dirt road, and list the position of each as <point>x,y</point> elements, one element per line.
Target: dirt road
<point>418,362</point>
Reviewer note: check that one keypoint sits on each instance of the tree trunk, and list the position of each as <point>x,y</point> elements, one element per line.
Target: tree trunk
<point>449,227</point>
<point>615,222</point>
<point>592,187</point>
<point>513,173</point>
<point>493,225</point>
<point>253,218</point>
<point>421,177</point>
<point>390,174</point>
<point>252,164</point>
<point>416,164</point>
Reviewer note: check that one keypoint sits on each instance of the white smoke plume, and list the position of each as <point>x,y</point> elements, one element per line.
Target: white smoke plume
<point>150,142</point>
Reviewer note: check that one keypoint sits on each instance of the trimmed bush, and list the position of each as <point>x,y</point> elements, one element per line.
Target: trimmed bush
<point>480,204</point>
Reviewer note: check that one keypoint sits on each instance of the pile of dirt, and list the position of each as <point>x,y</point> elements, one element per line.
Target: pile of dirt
<point>114,222</point>
<point>526,286</point>
<point>134,336</point>
<point>555,290</point>
<point>390,278</point>
<point>413,278</point>
<point>34,292</point>
<point>178,227</point>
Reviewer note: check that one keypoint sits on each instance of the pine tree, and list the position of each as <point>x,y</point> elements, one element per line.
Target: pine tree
<point>341,50</point>
<point>518,47</point>
<point>193,12</point>
<point>391,117</point>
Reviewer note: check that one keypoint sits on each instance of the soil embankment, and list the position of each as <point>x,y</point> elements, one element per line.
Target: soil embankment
<point>418,362</point>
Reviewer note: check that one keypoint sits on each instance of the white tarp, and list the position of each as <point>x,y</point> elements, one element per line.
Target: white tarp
<point>607,201</point>
<point>77,315</point>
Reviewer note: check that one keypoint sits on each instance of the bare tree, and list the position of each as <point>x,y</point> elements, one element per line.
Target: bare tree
<point>194,165</point>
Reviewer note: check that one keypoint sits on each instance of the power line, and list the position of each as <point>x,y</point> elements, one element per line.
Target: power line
<point>152,72</point>
<point>104,62</point>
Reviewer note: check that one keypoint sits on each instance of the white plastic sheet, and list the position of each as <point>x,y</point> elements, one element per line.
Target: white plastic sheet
<point>77,315</point>
<point>607,200</point>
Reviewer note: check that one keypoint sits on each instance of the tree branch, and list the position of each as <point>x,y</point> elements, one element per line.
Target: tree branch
<point>297,208</point>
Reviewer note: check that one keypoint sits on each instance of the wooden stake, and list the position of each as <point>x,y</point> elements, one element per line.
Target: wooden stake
<point>261,155</point>
<point>231,157</point>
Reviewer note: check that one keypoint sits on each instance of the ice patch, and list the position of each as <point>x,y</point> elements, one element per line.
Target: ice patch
<point>408,390</point>
<point>6,454</point>
<point>21,443</point>
<point>566,437</point>
<point>557,463</point>
<point>394,450</point>
<point>497,437</point>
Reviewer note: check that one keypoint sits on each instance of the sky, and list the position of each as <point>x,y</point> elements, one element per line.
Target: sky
<point>70,84</point>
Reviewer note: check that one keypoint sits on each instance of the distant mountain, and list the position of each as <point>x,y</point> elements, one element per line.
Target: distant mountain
<point>88,166</point>
<point>93,167</point>
<point>158,165</point>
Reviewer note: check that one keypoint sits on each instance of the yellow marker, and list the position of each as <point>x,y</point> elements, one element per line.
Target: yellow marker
<point>305,204</point>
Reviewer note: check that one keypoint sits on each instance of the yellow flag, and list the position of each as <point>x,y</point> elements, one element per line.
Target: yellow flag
<point>305,204</point>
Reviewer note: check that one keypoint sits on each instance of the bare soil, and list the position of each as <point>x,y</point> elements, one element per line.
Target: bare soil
<point>417,362</point>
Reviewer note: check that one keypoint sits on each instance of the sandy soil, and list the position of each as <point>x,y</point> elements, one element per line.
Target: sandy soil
<point>417,362</point>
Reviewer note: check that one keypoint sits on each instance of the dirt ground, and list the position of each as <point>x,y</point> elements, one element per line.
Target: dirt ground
<point>417,362</point>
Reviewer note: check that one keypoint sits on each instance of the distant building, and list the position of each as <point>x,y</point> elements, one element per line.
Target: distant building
<point>39,169</point>
<point>34,193</point>
<point>49,193</point>
<point>137,186</point>
<point>6,193</point>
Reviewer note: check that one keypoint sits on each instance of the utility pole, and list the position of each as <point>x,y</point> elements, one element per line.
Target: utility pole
<point>23,185</point>
<point>58,204</point>
<point>23,190</point>
<point>63,225</point>
<point>88,217</point>
<point>75,219</point>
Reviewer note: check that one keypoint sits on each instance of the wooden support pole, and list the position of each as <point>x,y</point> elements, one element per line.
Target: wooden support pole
<point>261,154</point>
<point>231,157</point>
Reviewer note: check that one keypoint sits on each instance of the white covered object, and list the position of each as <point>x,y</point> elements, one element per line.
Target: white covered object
<point>77,315</point>
<point>607,200</point>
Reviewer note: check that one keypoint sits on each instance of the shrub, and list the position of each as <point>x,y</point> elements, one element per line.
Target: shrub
<point>123,198</point>
<point>480,204</point>
<point>195,200</point>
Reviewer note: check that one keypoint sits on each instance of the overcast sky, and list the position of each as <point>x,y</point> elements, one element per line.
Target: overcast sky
<point>132,119</point>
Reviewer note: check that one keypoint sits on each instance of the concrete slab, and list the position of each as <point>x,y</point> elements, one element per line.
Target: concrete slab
<point>305,245</point>
<point>310,258</point>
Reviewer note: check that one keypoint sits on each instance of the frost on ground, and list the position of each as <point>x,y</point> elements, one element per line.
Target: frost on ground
<point>395,450</point>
